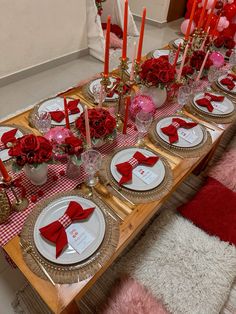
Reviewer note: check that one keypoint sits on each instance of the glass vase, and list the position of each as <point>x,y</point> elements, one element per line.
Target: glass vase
<point>73,170</point>
<point>37,175</point>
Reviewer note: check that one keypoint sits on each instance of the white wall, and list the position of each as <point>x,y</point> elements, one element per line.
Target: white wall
<point>35,31</point>
<point>157,10</point>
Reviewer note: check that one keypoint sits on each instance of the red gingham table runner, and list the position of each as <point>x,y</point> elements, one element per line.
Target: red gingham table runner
<point>16,220</point>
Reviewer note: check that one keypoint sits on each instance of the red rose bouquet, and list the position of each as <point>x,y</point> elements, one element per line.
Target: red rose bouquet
<point>157,72</point>
<point>197,59</point>
<point>31,149</point>
<point>102,125</point>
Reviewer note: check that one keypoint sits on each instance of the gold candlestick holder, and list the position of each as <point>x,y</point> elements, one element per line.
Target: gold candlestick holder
<point>198,37</point>
<point>20,203</point>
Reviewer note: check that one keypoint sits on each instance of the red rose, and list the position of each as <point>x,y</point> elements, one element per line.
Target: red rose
<point>228,53</point>
<point>187,70</point>
<point>74,145</point>
<point>29,143</point>
<point>197,59</point>
<point>110,124</point>
<point>229,43</point>
<point>15,150</point>
<point>208,64</point>
<point>21,160</point>
<point>219,42</point>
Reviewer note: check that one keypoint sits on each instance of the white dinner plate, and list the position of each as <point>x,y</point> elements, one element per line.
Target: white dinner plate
<point>95,225</point>
<point>197,130</point>
<point>226,104</point>
<point>224,87</point>
<point>4,153</point>
<point>98,81</point>
<point>159,53</point>
<point>137,184</point>
<point>57,104</point>
<point>178,41</point>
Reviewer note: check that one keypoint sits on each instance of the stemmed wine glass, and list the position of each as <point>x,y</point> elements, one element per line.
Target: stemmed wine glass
<point>143,121</point>
<point>92,161</point>
<point>184,94</point>
<point>98,91</point>
<point>42,121</point>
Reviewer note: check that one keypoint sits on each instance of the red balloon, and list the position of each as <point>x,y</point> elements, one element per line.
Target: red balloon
<point>230,11</point>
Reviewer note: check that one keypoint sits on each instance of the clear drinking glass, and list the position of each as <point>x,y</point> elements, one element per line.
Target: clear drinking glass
<point>184,94</point>
<point>97,92</point>
<point>43,121</point>
<point>143,121</point>
<point>232,58</point>
<point>92,161</point>
<point>213,74</point>
<point>171,56</point>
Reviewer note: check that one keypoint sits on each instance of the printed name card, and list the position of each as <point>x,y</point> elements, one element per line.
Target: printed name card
<point>79,238</point>
<point>219,106</point>
<point>187,135</point>
<point>145,174</point>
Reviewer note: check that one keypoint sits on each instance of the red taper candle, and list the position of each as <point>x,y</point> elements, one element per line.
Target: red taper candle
<point>107,47</point>
<point>210,17</point>
<point>214,31</point>
<point>191,20</point>
<point>140,44</point>
<point>66,114</point>
<point>124,48</point>
<point>201,20</point>
<point>177,55</point>
<point>128,100</point>
<point>4,172</point>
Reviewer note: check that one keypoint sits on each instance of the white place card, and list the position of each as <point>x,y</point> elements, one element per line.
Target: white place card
<point>219,106</point>
<point>79,238</point>
<point>145,174</point>
<point>54,107</point>
<point>187,135</point>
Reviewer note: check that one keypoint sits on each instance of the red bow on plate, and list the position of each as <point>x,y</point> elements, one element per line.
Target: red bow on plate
<point>206,101</point>
<point>72,106</point>
<point>172,130</point>
<point>125,168</point>
<point>55,231</point>
<point>229,81</point>
<point>8,137</point>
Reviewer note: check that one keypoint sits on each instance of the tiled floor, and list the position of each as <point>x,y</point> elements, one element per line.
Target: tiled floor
<point>19,95</point>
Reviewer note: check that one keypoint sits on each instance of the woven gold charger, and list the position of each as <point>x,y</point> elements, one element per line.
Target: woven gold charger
<point>36,108</point>
<point>23,130</point>
<point>67,274</point>
<point>87,95</point>
<point>221,119</point>
<point>137,197</point>
<point>195,151</point>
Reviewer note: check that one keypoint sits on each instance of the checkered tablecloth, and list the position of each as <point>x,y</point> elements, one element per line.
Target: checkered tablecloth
<point>15,222</point>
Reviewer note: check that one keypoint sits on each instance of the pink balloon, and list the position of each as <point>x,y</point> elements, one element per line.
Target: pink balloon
<point>184,26</point>
<point>217,58</point>
<point>58,134</point>
<point>223,23</point>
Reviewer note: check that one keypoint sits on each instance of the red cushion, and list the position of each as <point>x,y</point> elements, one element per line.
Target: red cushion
<point>213,209</point>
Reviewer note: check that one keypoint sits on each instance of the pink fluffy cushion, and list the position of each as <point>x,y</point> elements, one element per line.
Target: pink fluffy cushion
<point>225,170</point>
<point>115,42</point>
<point>213,209</point>
<point>129,297</point>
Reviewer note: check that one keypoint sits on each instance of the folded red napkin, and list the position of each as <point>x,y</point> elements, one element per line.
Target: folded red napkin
<point>8,137</point>
<point>55,231</point>
<point>228,82</point>
<point>72,106</point>
<point>172,129</point>
<point>125,168</point>
<point>206,101</point>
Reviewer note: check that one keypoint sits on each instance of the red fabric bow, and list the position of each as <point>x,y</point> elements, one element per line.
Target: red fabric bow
<point>55,231</point>
<point>125,168</point>
<point>8,137</point>
<point>228,82</point>
<point>206,101</point>
<point>72,106</point>
<point>172,130</point>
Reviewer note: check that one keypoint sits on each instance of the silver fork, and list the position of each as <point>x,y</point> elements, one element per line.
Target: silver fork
<point>28,249</point>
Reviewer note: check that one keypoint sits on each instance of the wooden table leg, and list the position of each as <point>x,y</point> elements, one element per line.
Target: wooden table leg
<point>72,308</point>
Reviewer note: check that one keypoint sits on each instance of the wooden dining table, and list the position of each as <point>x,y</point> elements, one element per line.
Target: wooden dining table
<point>61,298</point>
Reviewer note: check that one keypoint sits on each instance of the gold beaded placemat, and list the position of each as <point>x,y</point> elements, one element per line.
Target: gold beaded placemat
<point>221,119</point>
<point>187,152</point>
<point>23,130</point>
<point>137,197</point>
<point>67,274</point>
